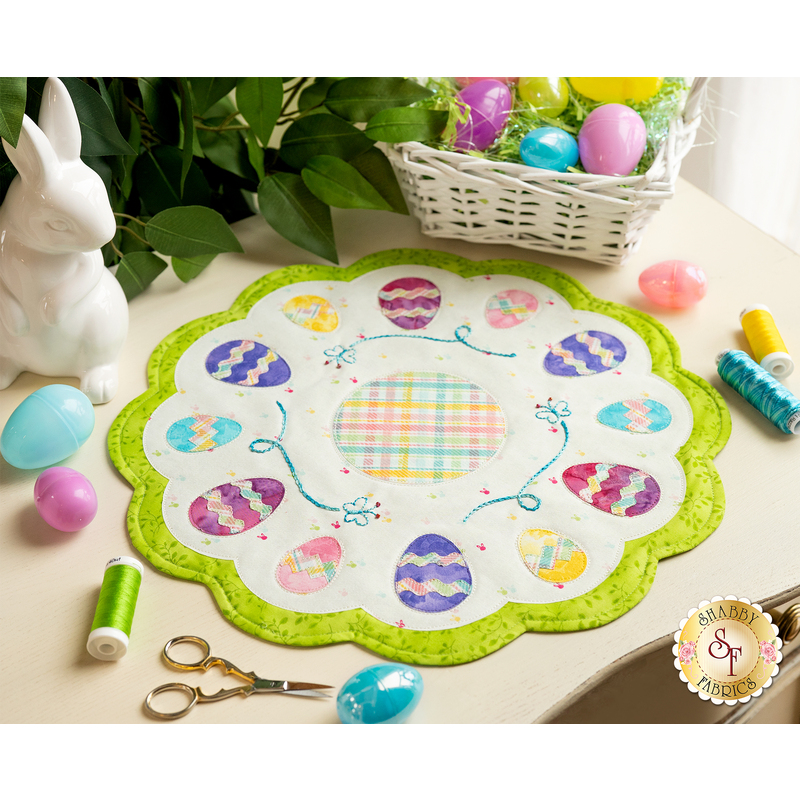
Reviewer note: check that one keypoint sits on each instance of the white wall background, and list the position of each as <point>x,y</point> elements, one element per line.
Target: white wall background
<point>747,153</point>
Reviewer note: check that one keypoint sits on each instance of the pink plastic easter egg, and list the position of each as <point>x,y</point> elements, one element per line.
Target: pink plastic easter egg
<point>676,284</point>
<point>490,102</point>
<point>65,499</point>
<point>612,140</point>
<point>469,81</point>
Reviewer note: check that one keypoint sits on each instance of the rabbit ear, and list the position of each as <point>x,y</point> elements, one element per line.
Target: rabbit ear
<point>58,120</point>
<point>33,157</point>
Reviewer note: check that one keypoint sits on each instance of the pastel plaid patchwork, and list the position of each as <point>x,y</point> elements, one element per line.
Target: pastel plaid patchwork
<point>419,427</point>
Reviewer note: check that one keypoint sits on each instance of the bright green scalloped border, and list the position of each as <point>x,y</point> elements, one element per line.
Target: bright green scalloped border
<point>698,517</point>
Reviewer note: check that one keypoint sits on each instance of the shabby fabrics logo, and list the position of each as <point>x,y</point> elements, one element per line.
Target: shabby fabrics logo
<point>727,650</point>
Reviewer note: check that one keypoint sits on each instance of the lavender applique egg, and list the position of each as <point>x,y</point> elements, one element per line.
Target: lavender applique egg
<point>585,353</point>
<point>613,488</point>
<point>235,507</point>
<point>244,362</point>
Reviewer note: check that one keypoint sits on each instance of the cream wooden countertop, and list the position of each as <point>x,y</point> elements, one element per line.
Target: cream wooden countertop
<point>50,580</point>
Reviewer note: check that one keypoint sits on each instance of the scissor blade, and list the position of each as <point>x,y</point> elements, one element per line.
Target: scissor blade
<point>306,689</point>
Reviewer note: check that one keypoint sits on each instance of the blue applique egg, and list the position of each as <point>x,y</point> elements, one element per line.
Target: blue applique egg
<point>247,363</point>
<point>202,432</point>
<point>636,415</point>
<point>432,575</point>
<point>585,353</point>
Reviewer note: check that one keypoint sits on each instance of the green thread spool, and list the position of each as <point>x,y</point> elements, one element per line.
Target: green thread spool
<point>111,628</point>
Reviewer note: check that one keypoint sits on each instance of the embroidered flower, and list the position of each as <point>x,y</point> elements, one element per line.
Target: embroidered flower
<point>358,512</point>
<point>768,652</point>
<point>686,652</point>
<point>553,412</point>
<point>341,354</point>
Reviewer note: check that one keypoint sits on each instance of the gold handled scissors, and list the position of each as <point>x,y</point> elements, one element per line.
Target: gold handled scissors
<point>196,695</point>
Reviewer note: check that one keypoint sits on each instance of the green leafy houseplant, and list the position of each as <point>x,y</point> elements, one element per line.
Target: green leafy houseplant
<point>183,158</point>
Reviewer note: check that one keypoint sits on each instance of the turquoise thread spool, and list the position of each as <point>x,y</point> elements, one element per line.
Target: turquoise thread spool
<point>111,628</point>
<point>760,389</point>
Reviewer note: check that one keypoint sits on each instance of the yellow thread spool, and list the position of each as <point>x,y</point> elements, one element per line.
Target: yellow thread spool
<point>768,347</point>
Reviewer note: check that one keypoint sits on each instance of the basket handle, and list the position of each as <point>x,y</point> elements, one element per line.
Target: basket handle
<point>696,99</point>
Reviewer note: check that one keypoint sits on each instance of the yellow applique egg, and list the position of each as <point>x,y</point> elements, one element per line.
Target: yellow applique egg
<point>617,90</point>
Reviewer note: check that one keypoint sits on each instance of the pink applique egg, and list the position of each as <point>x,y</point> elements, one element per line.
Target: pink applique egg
<point>510,308</point>
<point>235,507</point>
<point>410,303</point>
<point>675,284</point>
<point>612,140</point>
<point>311,566</point>
<point>613,488</point>
<point>490,103</point>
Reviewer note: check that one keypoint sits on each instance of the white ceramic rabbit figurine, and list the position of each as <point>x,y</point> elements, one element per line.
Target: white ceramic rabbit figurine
<point>62,313</point>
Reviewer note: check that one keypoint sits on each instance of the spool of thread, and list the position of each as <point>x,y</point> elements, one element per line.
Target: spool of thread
<point>768,347</point>
<point>760,389</point>
<point>111,628</point>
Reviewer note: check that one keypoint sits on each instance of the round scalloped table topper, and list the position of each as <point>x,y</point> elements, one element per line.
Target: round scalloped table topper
<point>422,454</point>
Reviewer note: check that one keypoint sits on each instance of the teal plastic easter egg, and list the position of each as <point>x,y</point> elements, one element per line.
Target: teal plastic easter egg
<point>549,148</point>
<point>47,427</point>
<point>381,694</point>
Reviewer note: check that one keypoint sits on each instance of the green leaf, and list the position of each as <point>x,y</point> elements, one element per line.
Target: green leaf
<point>341,185</point>
<point>187,118</point>
<point>259,101</point>
<point>191,231</point>
<point>99,132</point>
<point>120,108</point>
<point>157,176</point>
<point>188,268</point>
<point>321,134</point>
<point>208,91</point>
<point>227,150</point>
<point>136,271</point>
<point>406,125</point>
<point>256,154</point>
<point>377,169</point>
<point>359,99</point>
<point>7,174</point>
<point>288,205</point>
<point>315,94</point>
<point>12,108</point>
<point>160,106</point>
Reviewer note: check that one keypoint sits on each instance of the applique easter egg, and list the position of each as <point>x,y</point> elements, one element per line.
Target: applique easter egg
<point>432,575</point>
<point>613,488</point>
<point>235,507</point>
<point>312,312</point>
<point>246,363</point>
<point>636,415</point>
<point>585,353</point>
<point>510,308</point>
<point>201,433</point>
<point>410,303</point>
<point>551,556</point>
<point>311,566</point>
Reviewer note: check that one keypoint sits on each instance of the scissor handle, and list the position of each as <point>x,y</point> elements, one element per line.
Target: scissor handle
<point>201,664</point>
<point>167,687</point>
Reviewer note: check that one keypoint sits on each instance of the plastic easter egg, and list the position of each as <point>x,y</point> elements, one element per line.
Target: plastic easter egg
<point>202,433</point>
<point>235,507</point>
<point>247,363</point>
<point>432,575</point>
<point>551,556</point>
<point>65,499</point>
<point>549,148</point>
<point>47,427</point>
<point>490,103</point>
<point>382,694</point>
<point>549,96</point>
<point>410,303</point>
<point>312,312</point>
<point>612,140</point>
<point>585,353</point>
<point>613,488</point>
<point>638,415</point>
<point>617,90</point>
<point>510,308</point>
<point>311,566</point>
<point>464,82</point>
<point>676,284</point>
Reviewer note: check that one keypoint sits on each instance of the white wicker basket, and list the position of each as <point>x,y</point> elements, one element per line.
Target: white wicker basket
<point>594,217</point>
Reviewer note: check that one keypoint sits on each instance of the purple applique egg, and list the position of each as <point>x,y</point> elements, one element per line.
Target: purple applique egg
<point>510,308</point>
<point>201,433</point>
<point>613,488</point>
<point>490,103</point>
<point>432,575</point>
<point>585,353</point>
<point>235,507</point>
<point>311,566</point>
<point>247,363</point>
<point>410,303</point>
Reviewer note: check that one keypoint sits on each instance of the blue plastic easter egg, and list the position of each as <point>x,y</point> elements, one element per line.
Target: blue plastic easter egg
<point>47,427</point>
<point>384,693</point>
<point>549,148</point>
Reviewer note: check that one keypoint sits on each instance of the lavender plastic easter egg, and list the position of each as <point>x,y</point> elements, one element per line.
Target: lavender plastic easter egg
<point>490,103</point>
<point>613,488</point>
<point>549,148</point>
<point>65,499</point>
<point>676,284</point>
<point>235,507</point>
<point>612,140</point>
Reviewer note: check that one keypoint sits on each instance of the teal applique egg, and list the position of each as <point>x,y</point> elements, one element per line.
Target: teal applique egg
<point>636,415</point>
<point>201,433</point>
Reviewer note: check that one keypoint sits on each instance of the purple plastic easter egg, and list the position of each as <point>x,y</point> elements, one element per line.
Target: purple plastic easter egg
<point>676,284</point>
<point>490,104</point>
<point>612,140</point>
<point>65,499</point>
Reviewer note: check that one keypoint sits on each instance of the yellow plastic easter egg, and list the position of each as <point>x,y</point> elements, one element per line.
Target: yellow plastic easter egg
<point>549,96</point>
<point>617,90</point>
